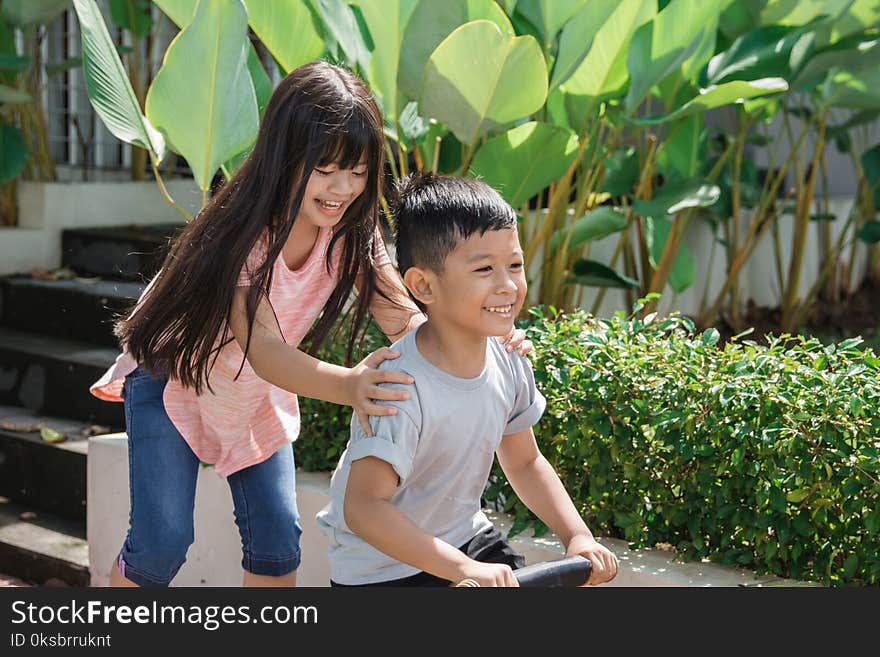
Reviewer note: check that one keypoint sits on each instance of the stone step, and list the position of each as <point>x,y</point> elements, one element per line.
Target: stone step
<point>77,309</point>
<point>41,548</point>
<point>126,252</point>
<point>52,376</point>
<point>43,475</point>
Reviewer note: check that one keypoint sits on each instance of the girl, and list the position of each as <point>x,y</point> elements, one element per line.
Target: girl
<point>211,369</point>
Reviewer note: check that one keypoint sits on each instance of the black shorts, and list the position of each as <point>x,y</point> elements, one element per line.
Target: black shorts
<point>489,546</point>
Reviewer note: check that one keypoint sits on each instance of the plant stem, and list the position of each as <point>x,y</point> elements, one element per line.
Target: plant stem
<point>167,196</point>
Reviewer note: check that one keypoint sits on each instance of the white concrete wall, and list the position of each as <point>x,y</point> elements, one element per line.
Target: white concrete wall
<point>46,209</point>
<point>214,559</point>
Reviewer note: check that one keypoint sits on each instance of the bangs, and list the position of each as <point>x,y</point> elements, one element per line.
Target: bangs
<point>350,144</point>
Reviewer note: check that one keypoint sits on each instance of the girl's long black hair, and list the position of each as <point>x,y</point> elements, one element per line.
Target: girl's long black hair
<point>317,115</point>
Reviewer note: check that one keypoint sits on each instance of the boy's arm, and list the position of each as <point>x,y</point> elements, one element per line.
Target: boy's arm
<point>370,514</point>
<point>538,486</point>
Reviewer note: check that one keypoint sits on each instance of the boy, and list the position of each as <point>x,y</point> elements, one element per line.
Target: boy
<point>405,503</point>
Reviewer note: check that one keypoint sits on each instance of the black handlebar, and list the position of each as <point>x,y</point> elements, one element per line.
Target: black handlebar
<point>567,572</point>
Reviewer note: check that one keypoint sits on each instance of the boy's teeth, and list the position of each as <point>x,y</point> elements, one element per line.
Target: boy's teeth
<point>500,309</point>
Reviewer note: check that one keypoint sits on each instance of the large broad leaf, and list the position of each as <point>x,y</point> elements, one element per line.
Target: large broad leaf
<point>549,16</point>
<point>430,23</point>
<point>681,276</point>
<point>288,31</point>
<point>675,197</point>
<point>203,97</point>
<point>621,171</point>
<point>852,54</point>
<point>13,153</point>
<point>853,90</point>
<point>602,74</point>
<point>677,42</point>
<point>21,13</point>
<point>386,21</point>
<point>684,148</point>
<point>525,160</point>
<point>479,78</point>
<point>595,274</point>
<point>858,17</point>
<point>577,38</point>
<point>132,15</point>
<point>728,93</point>
<point>783,12</point>
<point>595,225</point>
<point>773,51</point>
<point>181,13</point>
<point>342,28</point>
<point>107,84</point>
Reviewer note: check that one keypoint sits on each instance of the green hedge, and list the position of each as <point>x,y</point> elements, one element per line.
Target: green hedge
<point>762,456</point>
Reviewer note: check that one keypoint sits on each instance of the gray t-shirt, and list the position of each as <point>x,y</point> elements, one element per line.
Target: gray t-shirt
<point>442,444</point>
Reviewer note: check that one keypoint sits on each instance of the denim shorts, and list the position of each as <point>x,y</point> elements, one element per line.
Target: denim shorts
<point>162,479</point>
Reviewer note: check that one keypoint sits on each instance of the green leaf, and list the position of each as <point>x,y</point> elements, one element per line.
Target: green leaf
<point>342,27</point>
<point>21,13</point>
<point>674,197</point>
<point>684,150</point>
<point>577,37</point>
<point>870,232</point>
<point>13,152</point>
<point>207,66</point>
<point>860,90</point>
<point>602,74</point>
<point>525,160</point>
<point>509,83</point>
<point>429,24</point>
<point>51,435</point>
<point>387,21</point>
<point>621,171</point>
<point>855,53</point>
<point>797,496</point>
<point>132,15</point>
<point>107,84</point>
<point>710,337</point>
<point>180,12</point>
<point>772,51</point>
<point>549,16</point>
<point>595,274</point>
<point>777,499</point>
<point>850,565</point>
<point>659,49</point>
<point>711,97</point>
<point>288,31</point>
<point>595,225</point>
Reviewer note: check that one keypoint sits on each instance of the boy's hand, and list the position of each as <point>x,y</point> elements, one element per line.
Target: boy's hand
<point>488,574</point>
<point>364,388</point>
<point>516,339</point>
<point>604,560</point>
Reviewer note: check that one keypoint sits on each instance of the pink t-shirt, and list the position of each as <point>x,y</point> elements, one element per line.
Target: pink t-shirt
<point>246,419</point>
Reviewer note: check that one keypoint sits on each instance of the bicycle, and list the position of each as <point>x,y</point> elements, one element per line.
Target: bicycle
<point>568,572</point>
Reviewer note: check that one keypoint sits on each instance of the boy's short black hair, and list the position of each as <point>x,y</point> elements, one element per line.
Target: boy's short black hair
<point>433,213</point>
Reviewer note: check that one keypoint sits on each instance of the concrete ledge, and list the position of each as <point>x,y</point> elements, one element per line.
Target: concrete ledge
<point>214,559</point>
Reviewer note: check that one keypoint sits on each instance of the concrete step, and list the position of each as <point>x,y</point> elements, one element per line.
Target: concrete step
<point>52,376</point>
<point>42,548</point>
<point>77,309</point>
<point>43,475</point>
<point>127,252</point>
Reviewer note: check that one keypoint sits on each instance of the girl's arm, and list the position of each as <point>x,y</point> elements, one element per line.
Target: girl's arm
<point>370,514</point>
<point>538,486</point>
<point>287,367</point>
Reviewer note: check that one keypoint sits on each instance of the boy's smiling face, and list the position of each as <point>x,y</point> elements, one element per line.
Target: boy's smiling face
<point>482,287</point>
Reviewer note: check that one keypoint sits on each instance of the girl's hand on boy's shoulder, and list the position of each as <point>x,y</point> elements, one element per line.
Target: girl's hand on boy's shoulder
<point>516,339</point>
<point>364,388</point>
